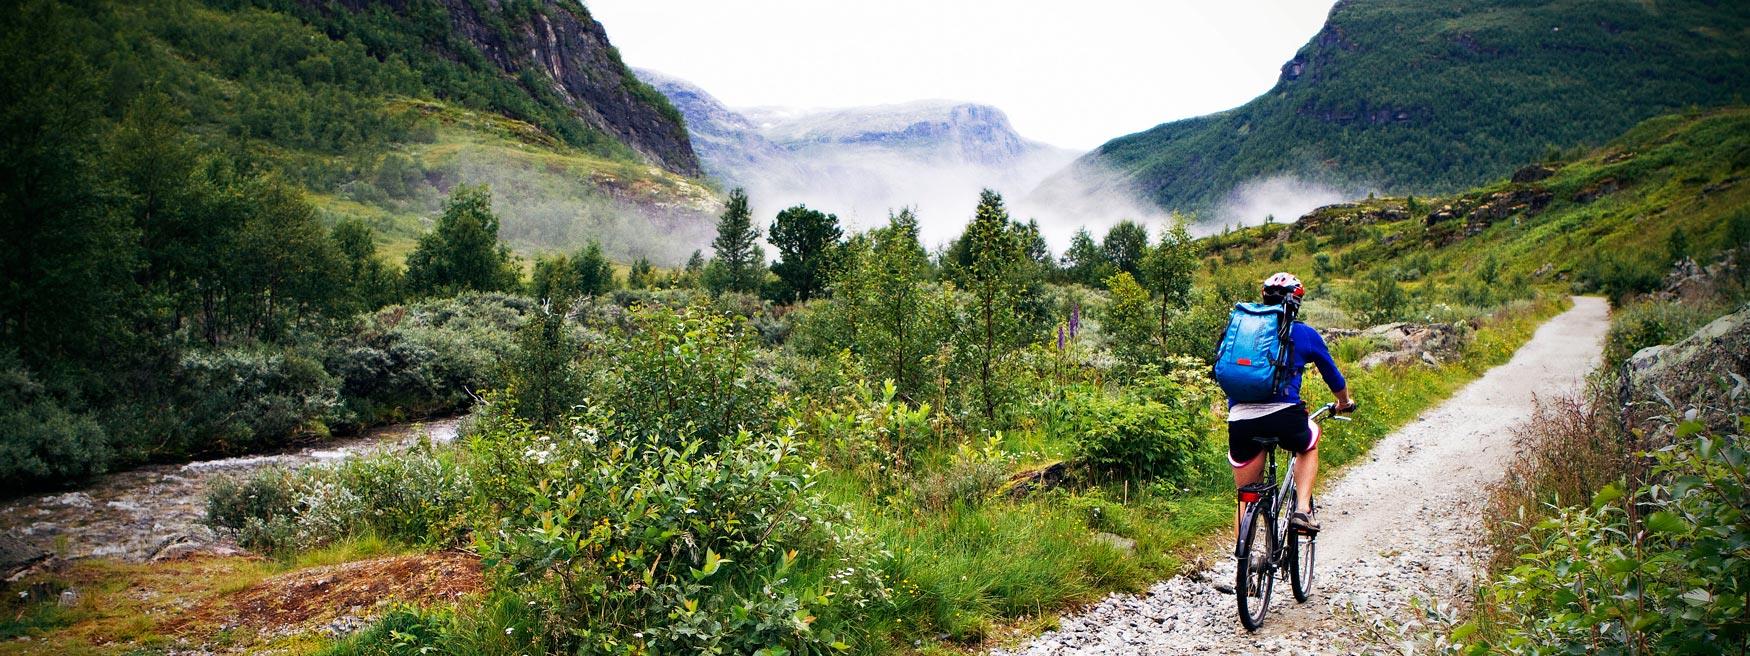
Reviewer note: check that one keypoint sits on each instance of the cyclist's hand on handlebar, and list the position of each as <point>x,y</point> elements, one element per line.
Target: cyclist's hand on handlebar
<point>1342,409</point>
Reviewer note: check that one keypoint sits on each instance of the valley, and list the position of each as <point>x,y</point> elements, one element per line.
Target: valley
<point>383,328</point>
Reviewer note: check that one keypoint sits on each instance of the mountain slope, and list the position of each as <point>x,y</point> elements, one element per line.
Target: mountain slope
<point>861,162</point>
<point>1431,98</point>
<point>376,110</point>
<point>548,63</point>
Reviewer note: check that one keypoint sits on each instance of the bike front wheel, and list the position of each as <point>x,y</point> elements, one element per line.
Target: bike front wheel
<point>1253,581</point>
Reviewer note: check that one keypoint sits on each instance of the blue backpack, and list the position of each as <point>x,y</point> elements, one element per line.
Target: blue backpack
<point>1253,355</point>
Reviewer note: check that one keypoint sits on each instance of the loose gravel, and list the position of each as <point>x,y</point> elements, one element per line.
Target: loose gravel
<point>1401,527</point>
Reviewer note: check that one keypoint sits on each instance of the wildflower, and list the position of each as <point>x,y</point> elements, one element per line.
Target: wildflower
<point>1075,320</point>
<point>1060,338</point>
<point>509,629</point>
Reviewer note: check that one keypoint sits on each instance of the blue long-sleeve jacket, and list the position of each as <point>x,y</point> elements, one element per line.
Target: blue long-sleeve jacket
<point>1309,347</point>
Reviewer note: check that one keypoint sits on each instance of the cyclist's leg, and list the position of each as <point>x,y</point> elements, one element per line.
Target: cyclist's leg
<point>1247,459</point>
<point>1306,470</point>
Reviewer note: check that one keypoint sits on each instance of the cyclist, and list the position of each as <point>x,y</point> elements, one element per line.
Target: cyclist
<point>1284,416</point>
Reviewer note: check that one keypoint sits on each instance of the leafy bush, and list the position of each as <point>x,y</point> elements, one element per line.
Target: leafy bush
<point>1662,570</point>
<point>425,358</point>
<point>969,477</point>
<point>413,497</point>
<point>874,437</point>
<point>1376,300</point>
<point>1618,277</point>
<point>683,375</point>
<point>235,400</point>
<point>44,441</point>
<point>1139,437</point>
<point>634,542</point>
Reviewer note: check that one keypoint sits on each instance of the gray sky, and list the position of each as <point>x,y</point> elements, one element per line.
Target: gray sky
<point>1072,74</point>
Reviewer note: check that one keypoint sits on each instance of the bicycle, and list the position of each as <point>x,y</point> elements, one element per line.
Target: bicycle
<point>1267,542</point>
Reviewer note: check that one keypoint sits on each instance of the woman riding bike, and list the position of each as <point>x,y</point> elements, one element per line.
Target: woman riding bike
<point>1284,415</point>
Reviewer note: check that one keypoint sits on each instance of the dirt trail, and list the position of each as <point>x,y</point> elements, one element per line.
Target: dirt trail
<point>1401,524</point>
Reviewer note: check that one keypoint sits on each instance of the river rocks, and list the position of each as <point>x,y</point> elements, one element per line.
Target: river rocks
<point>156,512</point>
<point>1700,373</point>
<point>17,555</point>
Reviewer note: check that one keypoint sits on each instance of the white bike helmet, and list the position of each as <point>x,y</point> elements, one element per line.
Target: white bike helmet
<point>1283,284</point>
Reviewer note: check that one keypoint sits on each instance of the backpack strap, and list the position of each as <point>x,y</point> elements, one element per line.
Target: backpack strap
<point>1285,333</point>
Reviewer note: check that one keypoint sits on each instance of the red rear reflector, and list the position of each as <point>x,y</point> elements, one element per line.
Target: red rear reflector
<point>1248,497</point>
<point>1245,361</point>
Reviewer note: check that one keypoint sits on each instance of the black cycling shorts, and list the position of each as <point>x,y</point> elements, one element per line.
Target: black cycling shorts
<point>1290,426</point>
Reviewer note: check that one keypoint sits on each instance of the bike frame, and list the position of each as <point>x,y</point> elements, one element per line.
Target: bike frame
<point>1264,501</point>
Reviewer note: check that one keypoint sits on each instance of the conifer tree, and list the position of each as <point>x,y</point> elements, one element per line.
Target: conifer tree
<point>740,262</point>
<point>991,277</point>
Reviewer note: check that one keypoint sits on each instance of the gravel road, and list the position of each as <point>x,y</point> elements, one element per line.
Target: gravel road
<point>1399,525</point>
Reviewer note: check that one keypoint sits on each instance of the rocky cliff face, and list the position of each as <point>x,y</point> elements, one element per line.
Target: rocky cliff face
<point>575,63</point>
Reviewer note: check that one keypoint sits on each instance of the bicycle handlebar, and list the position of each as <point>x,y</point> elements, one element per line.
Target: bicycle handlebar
<point>1331,409</point>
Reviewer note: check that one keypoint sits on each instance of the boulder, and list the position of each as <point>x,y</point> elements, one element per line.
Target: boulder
<point>1705,373</point>
<point>16,555</point>
<point>1409,343</point>
<point>1532,173</point>
<point>1034,479</point>
<point>1597,189</point>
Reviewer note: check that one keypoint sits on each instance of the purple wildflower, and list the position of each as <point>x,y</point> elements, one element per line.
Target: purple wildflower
<point>1060,337</point>
<point>1075,320</point>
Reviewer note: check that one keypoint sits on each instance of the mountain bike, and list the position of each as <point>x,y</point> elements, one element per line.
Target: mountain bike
<point>1267,543</point>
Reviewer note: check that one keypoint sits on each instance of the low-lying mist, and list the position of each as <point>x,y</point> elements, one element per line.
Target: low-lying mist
<point>1284,197</point>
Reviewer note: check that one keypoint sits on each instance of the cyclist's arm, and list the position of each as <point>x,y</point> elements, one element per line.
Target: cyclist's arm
<point>1319,355</point>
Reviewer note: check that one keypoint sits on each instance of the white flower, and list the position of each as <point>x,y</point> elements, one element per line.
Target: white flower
<point>509,629</point>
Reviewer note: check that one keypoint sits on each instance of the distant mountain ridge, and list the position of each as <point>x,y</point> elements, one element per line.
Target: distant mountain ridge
<point>863,161</point>
<point>1434,97</point>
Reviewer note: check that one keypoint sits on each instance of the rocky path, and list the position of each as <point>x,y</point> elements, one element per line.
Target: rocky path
<point>1400,525</point>
<point>155,512</point>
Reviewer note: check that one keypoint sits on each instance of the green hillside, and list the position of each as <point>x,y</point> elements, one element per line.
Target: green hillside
<point>1612,221</point>
<point>1413,97</point>
<point>377,114</point>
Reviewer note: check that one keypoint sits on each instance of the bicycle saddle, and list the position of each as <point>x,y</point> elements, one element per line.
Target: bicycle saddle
<point>1266,441</point>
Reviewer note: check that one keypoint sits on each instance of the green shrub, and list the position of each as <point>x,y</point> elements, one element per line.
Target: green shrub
<point>424,358</point>
<point>1139,437</point>
<point>683,376</point>
<point>1671,577</point>
<point>413,497</point>
<point>1618,277</point>
<point>1378,299</point>
<point>627,541</point>
<point>1641,324</point>
<point>41,440</point>
<point>237,400</point>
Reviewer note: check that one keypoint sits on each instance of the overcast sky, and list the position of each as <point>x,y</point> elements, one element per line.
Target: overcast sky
<point>1072,74</point>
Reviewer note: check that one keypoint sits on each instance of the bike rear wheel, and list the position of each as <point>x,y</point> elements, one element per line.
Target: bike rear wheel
<point>1253,580</point>
<point>1302,550</point>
